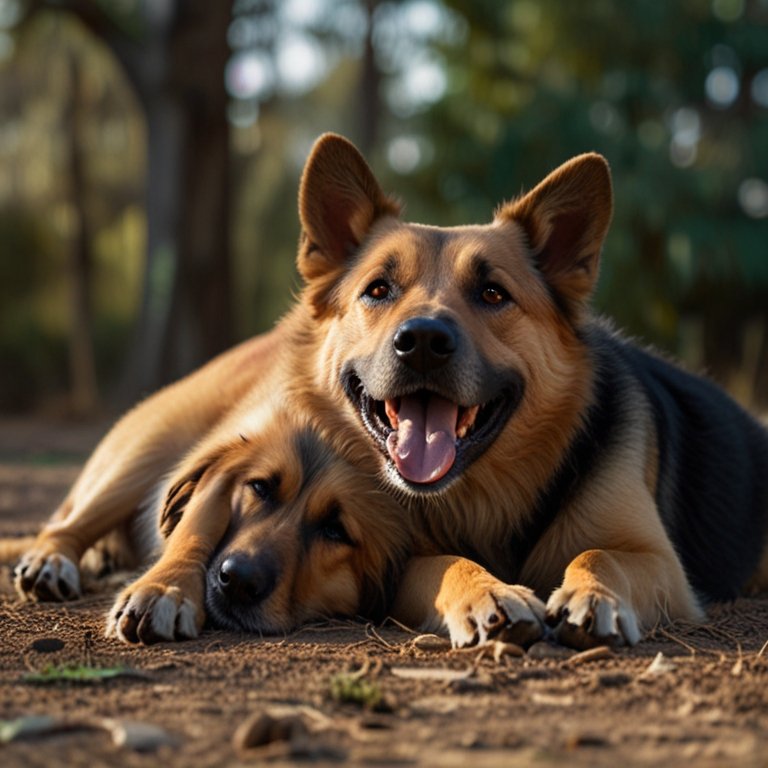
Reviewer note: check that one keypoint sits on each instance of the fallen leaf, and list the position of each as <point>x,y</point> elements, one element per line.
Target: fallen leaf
<point>78,673</point>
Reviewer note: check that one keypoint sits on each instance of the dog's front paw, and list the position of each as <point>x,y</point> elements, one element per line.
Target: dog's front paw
<point>492,609</point>
<point>587,617</point>
<point>151,612</point>
<point>47,575</point>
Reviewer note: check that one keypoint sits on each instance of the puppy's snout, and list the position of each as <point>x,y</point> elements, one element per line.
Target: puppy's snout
<point>425,343</point>
<point>248,579</point>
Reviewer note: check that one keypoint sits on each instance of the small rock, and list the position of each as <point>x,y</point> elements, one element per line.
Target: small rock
<point>431,643</point>
<point>47,644</point>
<point>29,727</point>
<point>262,729</point>
<point>140,737</point>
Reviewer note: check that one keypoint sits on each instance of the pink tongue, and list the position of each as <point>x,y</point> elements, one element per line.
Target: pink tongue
<point>424,445</point>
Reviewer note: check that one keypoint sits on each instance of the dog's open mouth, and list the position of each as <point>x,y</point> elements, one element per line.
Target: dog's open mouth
<point>427,437</point>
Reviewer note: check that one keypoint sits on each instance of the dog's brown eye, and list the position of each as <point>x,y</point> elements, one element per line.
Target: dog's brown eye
<point>378,290</point>
<point>494,295</point>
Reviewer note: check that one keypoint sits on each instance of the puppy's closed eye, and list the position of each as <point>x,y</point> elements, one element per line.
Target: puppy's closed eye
<point>265,488</point>
<point>331,528</point>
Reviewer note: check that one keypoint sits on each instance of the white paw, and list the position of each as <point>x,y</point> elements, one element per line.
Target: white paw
<point>493,608</point>
<point>153,613</point>
<point>47,577</point>
<point>589,617</point>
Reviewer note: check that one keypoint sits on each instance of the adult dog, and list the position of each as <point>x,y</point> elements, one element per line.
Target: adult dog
<point>517,429</point>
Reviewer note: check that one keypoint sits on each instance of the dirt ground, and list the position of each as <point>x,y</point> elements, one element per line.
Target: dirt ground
<point>705,699</point>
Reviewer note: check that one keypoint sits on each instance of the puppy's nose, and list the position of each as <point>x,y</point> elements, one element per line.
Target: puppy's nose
<point>248,579</point>
<point>425,343</point>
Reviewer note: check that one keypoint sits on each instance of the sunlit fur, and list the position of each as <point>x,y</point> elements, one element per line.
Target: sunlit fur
<point>433,267</point>
<point>605,541</point>
<point>609,501</point>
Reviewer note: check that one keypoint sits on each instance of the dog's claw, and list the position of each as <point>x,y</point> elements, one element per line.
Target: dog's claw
<point>47,577</point>
<point>585,619</point>
<point>496,611</point>
<point>153,614</point>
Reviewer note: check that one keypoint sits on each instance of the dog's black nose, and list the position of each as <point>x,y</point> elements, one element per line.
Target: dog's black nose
<point>248,579</point>
<point>425,343</point>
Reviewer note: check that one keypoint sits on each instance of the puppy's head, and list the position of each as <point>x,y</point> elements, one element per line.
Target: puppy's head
<point>310,536</point>
<point>448,341</point>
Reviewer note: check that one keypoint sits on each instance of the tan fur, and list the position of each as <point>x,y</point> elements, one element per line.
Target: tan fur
<point>318,578</point>
<point>607,557</point>
<point>606,562</point>
<point>146,443</point>
<point>445,592</point>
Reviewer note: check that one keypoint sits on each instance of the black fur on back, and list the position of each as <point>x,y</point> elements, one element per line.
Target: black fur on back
<point>712,491</point>
<point>712,488</point>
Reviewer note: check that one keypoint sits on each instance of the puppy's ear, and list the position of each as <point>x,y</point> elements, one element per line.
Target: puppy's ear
<point>339,200</point>
<point>566,218</point>
<point>178,497</point>
<point>217,469</point>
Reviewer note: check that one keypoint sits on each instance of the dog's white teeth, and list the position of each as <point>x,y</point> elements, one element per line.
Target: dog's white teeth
<point>466,420</point>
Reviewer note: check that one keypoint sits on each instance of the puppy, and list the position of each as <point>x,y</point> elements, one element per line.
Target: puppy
<point>263,531</point>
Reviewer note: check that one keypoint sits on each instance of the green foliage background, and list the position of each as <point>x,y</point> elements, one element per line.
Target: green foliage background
<point>526,84</point>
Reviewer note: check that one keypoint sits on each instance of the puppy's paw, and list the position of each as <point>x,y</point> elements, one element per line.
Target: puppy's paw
<point>492,609</point>
<point>47,576</point>
<point>587,617</point>
<point>152,612</point>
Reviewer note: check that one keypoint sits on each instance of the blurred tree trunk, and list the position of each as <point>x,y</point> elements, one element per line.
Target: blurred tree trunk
<point>84,396</point>
<point>174,53</point>
<point>370,89</point>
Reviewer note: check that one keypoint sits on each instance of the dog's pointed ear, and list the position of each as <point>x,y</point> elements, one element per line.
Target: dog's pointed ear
<point>566,218</point>
<point>339,200</point>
